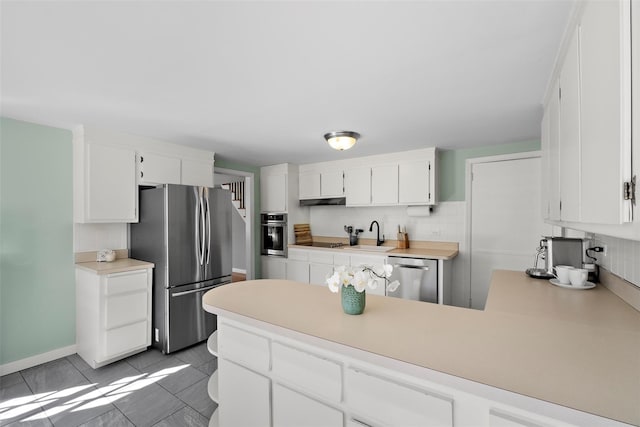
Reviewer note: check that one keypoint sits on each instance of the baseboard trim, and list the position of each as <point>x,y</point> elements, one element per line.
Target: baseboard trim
<point>239,270</point>
<point>38,359</point>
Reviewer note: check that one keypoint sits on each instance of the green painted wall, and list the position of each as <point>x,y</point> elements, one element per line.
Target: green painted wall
<point>452,163</point>
<point>256,202</point>
<point>37,284</point>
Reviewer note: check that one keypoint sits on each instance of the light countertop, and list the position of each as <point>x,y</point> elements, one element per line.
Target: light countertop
<point>433,250</point>
<point>117,266</point>
<point>579,349</point>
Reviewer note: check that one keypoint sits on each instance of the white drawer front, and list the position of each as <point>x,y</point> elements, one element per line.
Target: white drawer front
<point>118,283</point>
<point>298,254</point>
<point>126,338</point>
<point>390,403</point>
<point>321,257</point>
<point>244,348</point>
<point>125,309</point>
<point>292,409</point>
<point>315,375</point>
<point>341,259</point>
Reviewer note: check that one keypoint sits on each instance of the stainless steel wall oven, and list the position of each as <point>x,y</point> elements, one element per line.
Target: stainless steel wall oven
<point>273,234</point>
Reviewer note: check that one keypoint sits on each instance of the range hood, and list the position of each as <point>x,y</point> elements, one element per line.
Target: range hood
<point>332,201</point>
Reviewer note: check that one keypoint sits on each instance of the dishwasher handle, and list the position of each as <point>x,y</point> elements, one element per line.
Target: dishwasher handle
<point>415,267</point>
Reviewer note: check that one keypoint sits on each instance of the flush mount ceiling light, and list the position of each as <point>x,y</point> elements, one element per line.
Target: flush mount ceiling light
<point>342,139</point>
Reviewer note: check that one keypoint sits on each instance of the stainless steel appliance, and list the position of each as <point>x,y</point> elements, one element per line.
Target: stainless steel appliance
<point>273,234</point>
<point>564,251</point>
<point>186,232</point>
<point>418,278</point>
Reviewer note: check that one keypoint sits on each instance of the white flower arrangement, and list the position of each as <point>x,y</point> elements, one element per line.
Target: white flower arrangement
<point>361,277</point>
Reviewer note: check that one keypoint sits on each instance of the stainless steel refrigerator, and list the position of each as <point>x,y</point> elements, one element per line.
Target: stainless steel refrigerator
<point>186,232</point>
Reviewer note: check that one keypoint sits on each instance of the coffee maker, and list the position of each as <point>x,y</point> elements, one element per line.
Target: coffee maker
<point>564,251</point>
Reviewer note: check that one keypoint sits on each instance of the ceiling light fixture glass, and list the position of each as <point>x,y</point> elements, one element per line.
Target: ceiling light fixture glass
<point>342,139</point>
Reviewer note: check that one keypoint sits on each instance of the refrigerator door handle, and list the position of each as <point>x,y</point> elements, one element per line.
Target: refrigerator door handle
<point>208,223</point>
<point>201,236</point>
<point>195,291</point>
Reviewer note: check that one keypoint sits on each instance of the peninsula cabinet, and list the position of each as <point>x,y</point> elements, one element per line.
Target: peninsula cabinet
<point>586,127</point>
<point>270,376</point>
<point>113,314</point>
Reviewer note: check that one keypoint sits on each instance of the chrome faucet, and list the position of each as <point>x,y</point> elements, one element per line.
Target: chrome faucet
<point>378,240</point>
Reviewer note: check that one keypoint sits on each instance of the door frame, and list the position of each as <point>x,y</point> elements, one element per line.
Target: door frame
<point>249,225</point>
<point>469,196</point>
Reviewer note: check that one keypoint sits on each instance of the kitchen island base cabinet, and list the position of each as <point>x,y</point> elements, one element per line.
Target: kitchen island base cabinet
<point>113,315</point>
<point>244,397</point>
<point>269,376</point>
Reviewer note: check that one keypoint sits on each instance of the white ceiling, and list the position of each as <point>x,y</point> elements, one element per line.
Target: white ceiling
<point>261,82</point>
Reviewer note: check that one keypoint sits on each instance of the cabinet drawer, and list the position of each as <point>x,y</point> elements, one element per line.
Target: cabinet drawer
<point>129,281</point>
<point>310,373</point>
<point>291,408</point>
<point>341,259</point>
<point>126,338</point>
<point>321,257</point>
<point>243,347</point>
<point>298,255</point>
<point>125,309</point>
<point>391,403</point>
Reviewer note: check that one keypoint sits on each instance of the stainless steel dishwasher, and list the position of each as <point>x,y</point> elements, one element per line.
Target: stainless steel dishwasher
<point>418,278</point>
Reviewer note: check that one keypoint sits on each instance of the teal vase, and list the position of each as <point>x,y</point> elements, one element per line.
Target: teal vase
<point>353,302</point>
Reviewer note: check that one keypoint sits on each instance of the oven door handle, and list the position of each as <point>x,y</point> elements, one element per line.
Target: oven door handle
<point>194,291</point>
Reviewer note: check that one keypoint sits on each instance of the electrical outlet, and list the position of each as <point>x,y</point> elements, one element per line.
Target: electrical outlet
<point>157,335</point>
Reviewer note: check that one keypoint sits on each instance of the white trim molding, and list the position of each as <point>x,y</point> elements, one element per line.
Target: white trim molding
<point>38,359</point>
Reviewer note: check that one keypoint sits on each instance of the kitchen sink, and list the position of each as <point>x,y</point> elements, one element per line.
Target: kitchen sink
<point>370,248</point>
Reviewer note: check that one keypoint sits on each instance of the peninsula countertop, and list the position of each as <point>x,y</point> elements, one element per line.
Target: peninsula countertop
<point>579,349</point>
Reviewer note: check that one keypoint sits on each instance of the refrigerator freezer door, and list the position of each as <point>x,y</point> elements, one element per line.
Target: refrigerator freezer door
<point>218,249</point>
<point>188,323</point>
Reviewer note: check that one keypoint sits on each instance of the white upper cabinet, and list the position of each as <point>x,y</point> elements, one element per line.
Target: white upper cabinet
<point>167,169</point>
<point>551,157</point>
<point>309,185</point>
<point>332,184</point>
<point>317,184</point>
<point>158,169</point>
<point>605,110</point>
<point>401,178</point>
<point>197,172</point>
<point>357,186</point>
<point>108,167</point>
<point>384,185</point>
<point>104,181</point>
<point>570,133</point>
<point>414,183</point>
<point>273,192</point>
<point>591,159</point>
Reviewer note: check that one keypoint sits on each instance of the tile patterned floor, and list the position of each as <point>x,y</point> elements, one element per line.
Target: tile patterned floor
<point>147,389</point>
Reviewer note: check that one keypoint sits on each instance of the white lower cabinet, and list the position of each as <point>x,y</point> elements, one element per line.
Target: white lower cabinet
<point>113,315</point>
<point>274,267</point>
<point>293,409</point>
<point>390,403</point>
<point>244,396</point>
<point>269,379</point>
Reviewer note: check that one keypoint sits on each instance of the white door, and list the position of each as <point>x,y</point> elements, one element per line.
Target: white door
<point>506,225</point>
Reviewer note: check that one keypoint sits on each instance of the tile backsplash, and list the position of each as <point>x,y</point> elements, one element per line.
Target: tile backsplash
<point>622,257</point>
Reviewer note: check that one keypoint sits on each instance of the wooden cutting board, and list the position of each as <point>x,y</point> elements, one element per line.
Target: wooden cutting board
<point>302,233</point>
